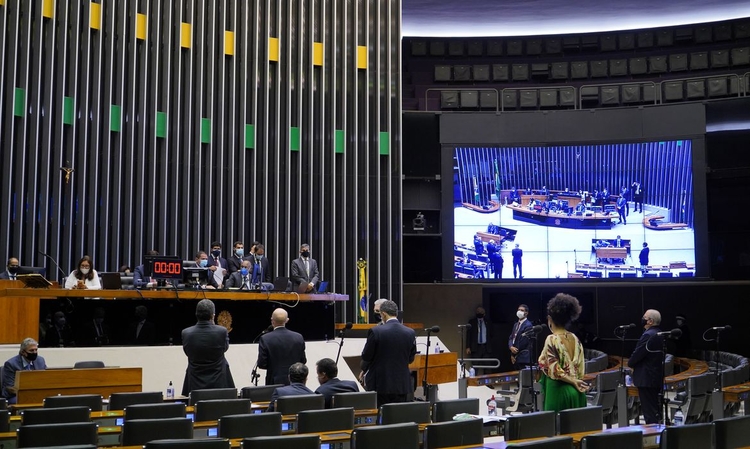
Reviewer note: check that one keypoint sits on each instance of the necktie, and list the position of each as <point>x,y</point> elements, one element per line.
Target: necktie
<point>515,330</point>
<point>307,268</point>
<point>138,330</point>
<point>482,339</point>
<point>245,281</point>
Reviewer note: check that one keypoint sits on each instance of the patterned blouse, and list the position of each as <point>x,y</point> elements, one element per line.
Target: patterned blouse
<point>562,357</point>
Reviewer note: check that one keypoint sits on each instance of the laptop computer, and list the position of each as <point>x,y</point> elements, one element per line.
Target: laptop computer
<point>322,287</point>
<point>281,284</point>
<point>111,281</point>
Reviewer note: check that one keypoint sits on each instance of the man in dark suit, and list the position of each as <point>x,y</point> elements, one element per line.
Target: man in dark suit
<point>95,332</point>
<point>141,331</point>
<point>646,361</point>
<point>388,351</point>
<point>637,190</point>
<point>60,334</point>
<point>621,209</point>
<point>280,349</point>
<point>201,261</point>
<point>329,383</point>
<point>140,280</point>
<point>27,359</point>
<point>260,270</point>
<point>297,378</point>
<point>234,262</point>
<point>204,345</point>
<point>217,265</point>
<point>11,269</point>
<point>520,355</point>
<point>479,337</point>
<point>304,274</point>
<point>241,279</point>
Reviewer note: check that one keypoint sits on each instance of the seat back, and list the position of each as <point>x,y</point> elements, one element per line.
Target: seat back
<point>118,401</point>
<point>204,443</point>
<point>212,393</point>
<point>378,437</point>
<point>613,440</point>
<point>453,433</point>
<point>55,415</point>
<point>530,425</point>
<point>582,419</point>
<point>327,420</point>
<point>213,409</point>
<point>691,436</point>
<point>283,442</point>
<point>732,432</point>
<point>155,411</point>
<point>521,400</point>
<point>696,398</point>
<point>291,405</point>
<point>259,393</point>
<point>3,402</point>
<point>250,425</point>
<point>561,442</point>
<point>88,364</point>
<point>606,392</point>
<point>446,410</point>
<point>41,435</point>
<point>404,412</point>
<point>4,421</point>
<point>360,400</point>
<point>92,401</point>
<point>141,431</point>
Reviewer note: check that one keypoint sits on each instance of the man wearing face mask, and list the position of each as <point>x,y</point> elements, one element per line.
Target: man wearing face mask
<point>201,261</point>
<point>234,261</point>
<point>260,270</point>
<point>11,269</point>
<point>646,360</point>
<point>241,279</point>
<point>376,309</point>
<point>26,360</point>
<point>304,274</point>
<point>479,338</point>
<point>518,344</point>
<point>217,265</point>
<point>95,332</point>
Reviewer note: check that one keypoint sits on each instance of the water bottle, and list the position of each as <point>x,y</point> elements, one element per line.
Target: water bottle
<point>170,390</point>
<point>437,348</point>
<point>628,380</point>
<point>492,406</point>
<point>679,418</point>
<point>472,372</point>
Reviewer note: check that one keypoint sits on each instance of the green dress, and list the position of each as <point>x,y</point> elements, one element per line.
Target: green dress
<point>561,357</point>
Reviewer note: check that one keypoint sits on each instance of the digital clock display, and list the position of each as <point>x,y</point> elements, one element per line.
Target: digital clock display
<point>166,267</point>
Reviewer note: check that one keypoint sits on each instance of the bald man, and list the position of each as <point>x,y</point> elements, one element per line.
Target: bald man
<point>280,349</point>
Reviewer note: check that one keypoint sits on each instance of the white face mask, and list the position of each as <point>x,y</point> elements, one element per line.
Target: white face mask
<point>84,271</point>
<point>520,315</point>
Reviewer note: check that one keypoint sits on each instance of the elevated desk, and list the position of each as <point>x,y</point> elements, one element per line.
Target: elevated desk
<point>590,220</point>
<point>34,386</point>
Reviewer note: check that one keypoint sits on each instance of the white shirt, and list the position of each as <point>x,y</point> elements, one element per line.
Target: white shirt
<point>93,284</point>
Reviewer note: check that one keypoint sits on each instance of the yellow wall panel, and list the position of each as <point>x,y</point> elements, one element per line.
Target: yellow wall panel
<point>2,2</point>
<point>229,43</point>
<point>140,26</point>
<point>48,9</point>
<point>186,35</point>
<point>273,49</point>
<point>318,54</point>
<point>95,20</point>
<point>361,57</point>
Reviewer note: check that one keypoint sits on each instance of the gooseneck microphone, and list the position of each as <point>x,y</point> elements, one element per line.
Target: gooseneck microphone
<point>722,328</point>
<point>627,326</point>
<point>534,330</point>
<point>62,273</point>
<point>674,333</point>
<point>433,329</point>
<point>467,325</point>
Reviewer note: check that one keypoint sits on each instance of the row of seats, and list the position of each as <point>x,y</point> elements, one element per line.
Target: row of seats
<point>606,68</point>
<point>603,42</point>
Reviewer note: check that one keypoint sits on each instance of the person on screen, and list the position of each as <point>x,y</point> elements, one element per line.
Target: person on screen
<point>637,190</point>
<point>11,269</point>
<point>478,245</point>
<point>241,279</point>
<point>330,384</point>
<point>297,378</point>
<point>496,259</point>
<point>204,345</point>
<point>27,359</point>
<point>643,257</point>
<point>625,192</point>
<point>621,209</point>
<point>201,261</point>
<point>234,262</point>
<point>140,280</point>
<point>84,277</point>
<point>304,274</point>
<point>517,254</point>
<point>217,265</point>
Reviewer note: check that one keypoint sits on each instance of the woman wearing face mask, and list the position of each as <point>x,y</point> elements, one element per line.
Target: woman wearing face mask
<point>561,359</point>
<point>84,277</point>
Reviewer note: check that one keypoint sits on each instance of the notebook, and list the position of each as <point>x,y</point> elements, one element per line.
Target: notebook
<point>111,281</point>
<point>281,284</point>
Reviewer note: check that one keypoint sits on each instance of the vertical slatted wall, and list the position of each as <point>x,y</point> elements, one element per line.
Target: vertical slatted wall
<point>188,121</point>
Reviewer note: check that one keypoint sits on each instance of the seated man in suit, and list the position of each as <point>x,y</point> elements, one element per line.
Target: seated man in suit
<point>241,279</point>
<point>297,380</point>
<point>27,359</point>
<point>329,383</point>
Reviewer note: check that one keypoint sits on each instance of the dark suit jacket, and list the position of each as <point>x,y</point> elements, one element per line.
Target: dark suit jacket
<point>234,263</point>
<point>235,280</point>
<point>139,278</point>
<point>277,351</point>
<point>90,337</point>
<point>147,336</point>
<point>295,389</point>
<point>265,270</point>
<point>521,342</point>
<point>298,274</point>
<point>5,275</point>
<point>646,364</point>
<point>210,276</point>
<point>334,386</point>
<point>388,351</point>
<point>205,345</point>
<point>10,367</point>
<point>472,335</point>
<point>55,338</point>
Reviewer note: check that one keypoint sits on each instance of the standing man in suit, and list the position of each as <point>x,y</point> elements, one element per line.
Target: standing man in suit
<point>26,360</point>
<point>217,265</point>
<point>478,245</point>
<point>304,272</point>
<point>11,269</point>
<point>517,254</point>
<point>625,192</point>
<point>234,261</point>
<point>388,351</point>
<point>376,309</point>
<point>621,203</point>
<point>204,345</point>
<point>280,349</point>
<point>329,383</point>
<point>479,337</point>
<point>637,190</point>
<point>260,263</point>
<point>643,257</point>
<point>296,381</point>
<point>646,361</point>
<point>518,344</point>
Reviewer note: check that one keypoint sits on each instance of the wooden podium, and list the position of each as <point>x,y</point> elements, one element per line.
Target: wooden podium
<point>33,386</point>
<point>442,368</point>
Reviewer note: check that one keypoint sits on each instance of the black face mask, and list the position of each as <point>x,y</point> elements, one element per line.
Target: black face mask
<point>216,252</point>
<point>305,253</point>
<point>31,356</point>
<point>480,315</point>
<point>13,269</point>
<point>379,316</point>
<point>644,321</point>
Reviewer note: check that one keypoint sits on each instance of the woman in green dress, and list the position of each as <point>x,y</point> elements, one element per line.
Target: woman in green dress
<point>561,361</point>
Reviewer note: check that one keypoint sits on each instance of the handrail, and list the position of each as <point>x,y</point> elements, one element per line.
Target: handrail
<point>704,78</point>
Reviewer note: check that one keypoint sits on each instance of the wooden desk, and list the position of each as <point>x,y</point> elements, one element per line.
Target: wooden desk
<point>442,367</point>
<point>34,386</point>
<point>611,252</point>
<point>690,367</point>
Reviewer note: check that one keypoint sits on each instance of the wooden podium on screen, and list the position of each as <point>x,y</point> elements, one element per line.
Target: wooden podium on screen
<point>33,386</point>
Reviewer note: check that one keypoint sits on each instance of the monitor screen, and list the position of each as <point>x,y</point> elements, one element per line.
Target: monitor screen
<point>655,177</point>
<point>195,275</point>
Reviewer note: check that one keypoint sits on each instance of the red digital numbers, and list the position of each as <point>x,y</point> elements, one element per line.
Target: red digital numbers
<point>167,267</point>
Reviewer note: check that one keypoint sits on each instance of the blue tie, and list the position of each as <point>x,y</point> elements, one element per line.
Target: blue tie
<point>482,339</point>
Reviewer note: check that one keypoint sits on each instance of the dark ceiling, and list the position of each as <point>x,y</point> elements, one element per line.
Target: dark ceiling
<point>539,17</point>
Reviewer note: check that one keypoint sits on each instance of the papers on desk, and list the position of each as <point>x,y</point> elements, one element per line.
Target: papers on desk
<point>485,418</point>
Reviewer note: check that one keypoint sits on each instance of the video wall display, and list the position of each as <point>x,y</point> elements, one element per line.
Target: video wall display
<point>620,210</point>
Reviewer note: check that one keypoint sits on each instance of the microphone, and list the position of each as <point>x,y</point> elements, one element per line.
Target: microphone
<point>674,333</point>
<point>347,326</point>
<point>722,328</point>
<point>433,329</point>
<point>627,326</point>
<point>536,329</point>
<point>467,325</point>
<point>54,262</point>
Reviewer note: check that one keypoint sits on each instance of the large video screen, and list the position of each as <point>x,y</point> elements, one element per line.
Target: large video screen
<point>574,211</point>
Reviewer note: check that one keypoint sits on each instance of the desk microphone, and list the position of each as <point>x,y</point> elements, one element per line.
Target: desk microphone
<point>54,262</point>
<point>627,326</point>
<point>722,328</point>
<point>674,333</point>
<point>433,329</point>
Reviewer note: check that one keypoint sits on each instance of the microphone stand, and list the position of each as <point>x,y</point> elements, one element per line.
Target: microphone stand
<point>622,355</point>
<point>61,282</point>
<point>255,376</point>
<point>717,370</point>
<point>341,343</point>
<point>425,385</point>
<point>662,397</point>
<point>463,353</point>
<point>532,390</point>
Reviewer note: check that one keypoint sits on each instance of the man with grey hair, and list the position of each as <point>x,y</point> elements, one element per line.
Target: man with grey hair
<point>646,361</point>
<point>376,309</point>
<point>205,345</point>
<point>388,351</point>
<point>297,379</point>
<point>26,360</point>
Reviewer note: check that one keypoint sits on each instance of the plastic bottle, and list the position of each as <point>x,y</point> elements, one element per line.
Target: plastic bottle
<point>628,380</point>
<point>492,406</point>
<point>679,418</point>
<point>170,390</point>
<point>437,348</point>
<point>472,372</point>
